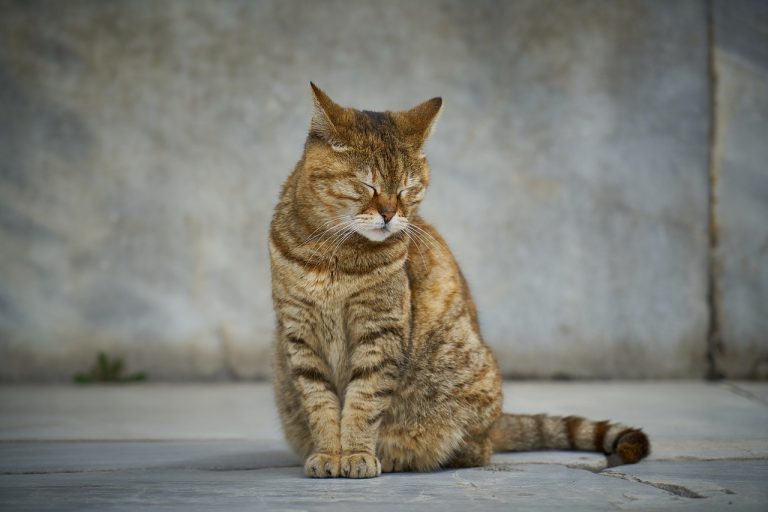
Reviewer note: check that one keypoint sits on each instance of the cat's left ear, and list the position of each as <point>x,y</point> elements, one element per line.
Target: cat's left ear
<point>417,124</point>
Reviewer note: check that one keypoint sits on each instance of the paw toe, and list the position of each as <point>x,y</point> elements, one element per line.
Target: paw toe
<point>322,465</point>
<point>360,465</point>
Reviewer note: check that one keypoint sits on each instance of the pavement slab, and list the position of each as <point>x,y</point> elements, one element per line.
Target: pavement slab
<point>218,446</point>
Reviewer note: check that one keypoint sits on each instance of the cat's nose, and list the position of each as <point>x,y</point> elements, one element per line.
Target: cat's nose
<point>387,213</point>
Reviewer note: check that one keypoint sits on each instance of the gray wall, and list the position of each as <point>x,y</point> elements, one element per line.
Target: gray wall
<point>143,144</point>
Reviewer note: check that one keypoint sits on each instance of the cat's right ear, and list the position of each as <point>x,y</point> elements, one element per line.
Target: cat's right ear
<point>327,117</point>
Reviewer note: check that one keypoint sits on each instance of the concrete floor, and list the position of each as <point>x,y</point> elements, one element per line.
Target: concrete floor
<point>218,446</point>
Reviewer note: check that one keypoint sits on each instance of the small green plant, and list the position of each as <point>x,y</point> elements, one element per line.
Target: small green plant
<point>108,370</point>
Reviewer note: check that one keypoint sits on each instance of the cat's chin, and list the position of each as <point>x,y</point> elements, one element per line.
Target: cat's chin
<point>376,234</point>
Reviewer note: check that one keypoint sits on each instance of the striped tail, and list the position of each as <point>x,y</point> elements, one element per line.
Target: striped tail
<point>520,432</point>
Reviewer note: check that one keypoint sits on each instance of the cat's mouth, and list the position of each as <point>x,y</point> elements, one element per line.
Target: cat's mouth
<point>377,230</point>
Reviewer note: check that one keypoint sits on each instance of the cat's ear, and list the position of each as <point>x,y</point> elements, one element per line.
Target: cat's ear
<point>327,116</point>
<point>417,123</point>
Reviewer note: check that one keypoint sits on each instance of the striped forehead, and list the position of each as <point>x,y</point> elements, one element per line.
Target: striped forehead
<point>389,164</point>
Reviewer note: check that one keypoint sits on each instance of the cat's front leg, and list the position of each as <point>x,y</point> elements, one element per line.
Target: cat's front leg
<point>312,378</point>
<point>377,337</point>
<point>375,363</point>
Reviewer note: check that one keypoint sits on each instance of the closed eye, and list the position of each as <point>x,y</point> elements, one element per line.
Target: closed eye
<point>375,191</point>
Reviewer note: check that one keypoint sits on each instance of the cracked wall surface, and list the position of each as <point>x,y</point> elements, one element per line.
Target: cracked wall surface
<point>143,145</point>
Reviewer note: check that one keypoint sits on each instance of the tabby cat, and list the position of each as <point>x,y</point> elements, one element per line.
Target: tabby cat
<point>379,363</point>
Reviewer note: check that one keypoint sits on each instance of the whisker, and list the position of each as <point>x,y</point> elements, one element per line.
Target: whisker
<point>426,241</point>
<point>423,241</point>
<point>350,232</point>
<point>312,235</point>
<point>426,233</point>
<point>415,243</point>
<point>336,230</point>
<point>340,230</point>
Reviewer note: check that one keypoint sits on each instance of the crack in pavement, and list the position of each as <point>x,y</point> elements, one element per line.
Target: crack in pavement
<point>677,490</point>
<point>737,390</point>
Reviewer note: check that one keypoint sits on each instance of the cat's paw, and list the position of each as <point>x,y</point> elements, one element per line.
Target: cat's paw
<point>322,465</point>
<point>360,465</point>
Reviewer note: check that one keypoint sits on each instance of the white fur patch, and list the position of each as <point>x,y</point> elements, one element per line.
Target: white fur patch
<point>375,229</point>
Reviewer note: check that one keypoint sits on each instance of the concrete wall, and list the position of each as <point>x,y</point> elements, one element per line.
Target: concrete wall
<point>741,169</point>
<point>143,144</point>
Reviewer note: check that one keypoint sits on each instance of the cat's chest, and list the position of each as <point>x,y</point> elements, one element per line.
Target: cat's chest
<point>332,285</point>
<point>330,282</point>
<point>325,285</point>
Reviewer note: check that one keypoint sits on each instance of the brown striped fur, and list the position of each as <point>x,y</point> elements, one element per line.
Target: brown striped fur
<point>379,363</point>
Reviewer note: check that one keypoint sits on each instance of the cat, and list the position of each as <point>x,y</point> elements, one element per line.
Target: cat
<point>379,365</point>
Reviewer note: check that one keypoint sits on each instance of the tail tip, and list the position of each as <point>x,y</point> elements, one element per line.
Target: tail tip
<point>633,447</point>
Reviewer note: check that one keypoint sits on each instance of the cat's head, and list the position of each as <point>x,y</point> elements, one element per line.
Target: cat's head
<point>364,172</point>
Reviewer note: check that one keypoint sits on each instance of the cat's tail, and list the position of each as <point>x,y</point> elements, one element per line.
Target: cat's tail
<point>521,432</point>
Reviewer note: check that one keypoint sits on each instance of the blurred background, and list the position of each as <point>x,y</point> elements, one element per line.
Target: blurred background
<point>600,171</point>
